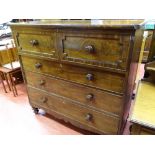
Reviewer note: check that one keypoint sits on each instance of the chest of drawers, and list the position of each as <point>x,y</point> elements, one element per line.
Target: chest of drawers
<point>79,72</point>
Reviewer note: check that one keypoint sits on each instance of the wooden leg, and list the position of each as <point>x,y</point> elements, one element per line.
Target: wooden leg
<point>6,78</point>
<point>3,82</point>
<point>35,110</point>
<point>11,82</point>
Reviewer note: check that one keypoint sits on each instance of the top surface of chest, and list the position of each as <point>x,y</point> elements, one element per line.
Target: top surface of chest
<point>126,24</point>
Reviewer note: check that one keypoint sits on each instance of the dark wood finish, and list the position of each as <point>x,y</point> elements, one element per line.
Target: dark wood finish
<point>85,95</point>
<point>89,79</point>
<point>104,123</point>
<point>102,80</point>
<point>106,50</point>
<point>38,43</point>
<point>135,49</point>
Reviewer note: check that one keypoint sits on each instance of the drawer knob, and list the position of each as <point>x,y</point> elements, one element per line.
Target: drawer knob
<point>90,48</point>
<point>38,65</point>
<point>42,82</point>
<point>89,97</point>
<point>89,117</point>
<point>34,42</point>
<point>90,77</point>
<point>43,99</point>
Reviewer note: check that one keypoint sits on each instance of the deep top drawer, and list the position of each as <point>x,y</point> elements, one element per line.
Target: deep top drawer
<point>38,43</point>
<point>107,50</point>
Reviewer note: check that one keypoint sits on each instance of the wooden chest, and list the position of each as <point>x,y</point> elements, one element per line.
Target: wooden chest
<point>81,72</point>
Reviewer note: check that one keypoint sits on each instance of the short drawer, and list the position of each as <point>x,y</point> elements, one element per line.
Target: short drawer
<point>37,43</point>
<point>106,50</point>
<point>89,117</point>
<point>85,95</point>
<point>99,79</point>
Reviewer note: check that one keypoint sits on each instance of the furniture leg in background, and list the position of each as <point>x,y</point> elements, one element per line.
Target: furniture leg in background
<point>1,79</point>
<point>11,68</point>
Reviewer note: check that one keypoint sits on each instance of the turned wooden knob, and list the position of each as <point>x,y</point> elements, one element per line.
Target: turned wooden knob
<point>34,42</point>
<point>90,77</point>
<point>89,117</point>
<point>38,65</point>
<point>90,48</point>
<point>89,97</point>
<point>43,99</point>
<point>42,82</point>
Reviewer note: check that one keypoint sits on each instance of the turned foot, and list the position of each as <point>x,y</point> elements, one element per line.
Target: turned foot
<point>133,96</point>
<point>35,110</point>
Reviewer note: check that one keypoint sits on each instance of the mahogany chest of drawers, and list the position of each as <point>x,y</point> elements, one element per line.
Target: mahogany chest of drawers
<point>80,72</point>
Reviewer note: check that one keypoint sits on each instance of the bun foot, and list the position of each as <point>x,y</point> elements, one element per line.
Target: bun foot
<point>35,110</point>
<point>133,96</point>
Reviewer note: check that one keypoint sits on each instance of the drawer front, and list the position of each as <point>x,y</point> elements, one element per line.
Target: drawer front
<point>109,51</point>
<point>38,43</point>
<point>102,80</point>
<point>87,96</point>
<point>100,121</point>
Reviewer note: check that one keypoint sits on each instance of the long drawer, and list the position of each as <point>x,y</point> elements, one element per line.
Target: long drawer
<point>103,80</point>
<point>102,122</point>
<point>86,95</point>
